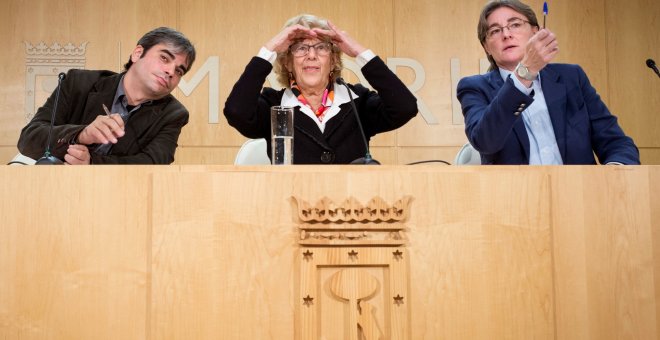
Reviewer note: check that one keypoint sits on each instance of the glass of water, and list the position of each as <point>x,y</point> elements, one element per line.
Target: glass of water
<point>281,127</point>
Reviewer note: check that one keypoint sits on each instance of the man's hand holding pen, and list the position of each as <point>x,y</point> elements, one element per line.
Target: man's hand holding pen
<point>103,130</point>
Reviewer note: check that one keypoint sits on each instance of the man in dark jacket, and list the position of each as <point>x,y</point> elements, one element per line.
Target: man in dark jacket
<point>128,118</point>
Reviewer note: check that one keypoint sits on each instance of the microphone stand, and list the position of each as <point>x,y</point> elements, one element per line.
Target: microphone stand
<point>367,160</point>
<point>651,64</point>
<point>47,158</point>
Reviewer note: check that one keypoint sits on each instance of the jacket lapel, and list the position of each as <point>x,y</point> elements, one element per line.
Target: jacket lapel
<point>307,126</point>
<point>555,97</point>
<point>303,123</point>
<point>140,122</point>
<point>341,107</point>
<point>103,92</point>
<point>519,130</point>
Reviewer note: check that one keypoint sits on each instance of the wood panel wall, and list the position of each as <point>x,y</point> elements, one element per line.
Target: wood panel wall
<point>610,39</point>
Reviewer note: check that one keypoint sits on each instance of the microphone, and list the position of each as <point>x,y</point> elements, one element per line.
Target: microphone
<point>651,64</point>
<point>47,158</point>
<point>367,157</point>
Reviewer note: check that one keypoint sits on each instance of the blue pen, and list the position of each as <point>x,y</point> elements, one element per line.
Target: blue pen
<point>545,12</point>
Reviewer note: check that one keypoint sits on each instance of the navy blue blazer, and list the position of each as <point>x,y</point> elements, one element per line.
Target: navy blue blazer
<point>581,121</point>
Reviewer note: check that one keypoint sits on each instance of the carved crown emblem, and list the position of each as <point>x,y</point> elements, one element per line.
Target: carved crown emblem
<point>55,49</point>
<point>351,210</point>
<point>352,223</point>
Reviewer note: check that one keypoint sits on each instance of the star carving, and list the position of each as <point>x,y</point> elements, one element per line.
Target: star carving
<point>398,300</point>
<point>353,254</point>
<point>308,255</point>
<point>308,300</point>
<point>398,254</point>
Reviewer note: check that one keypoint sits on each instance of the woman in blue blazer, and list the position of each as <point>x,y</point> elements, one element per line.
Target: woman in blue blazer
<point>528,111</point>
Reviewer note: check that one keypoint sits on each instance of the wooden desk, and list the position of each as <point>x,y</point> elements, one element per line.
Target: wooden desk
<point>207,252</point>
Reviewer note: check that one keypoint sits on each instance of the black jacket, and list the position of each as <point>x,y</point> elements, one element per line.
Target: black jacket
<point>151,135</point>
<point>248,110</point>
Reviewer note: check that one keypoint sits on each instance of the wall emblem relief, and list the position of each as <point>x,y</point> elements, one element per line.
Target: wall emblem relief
<point>42,65</point>
<point>353,270</point>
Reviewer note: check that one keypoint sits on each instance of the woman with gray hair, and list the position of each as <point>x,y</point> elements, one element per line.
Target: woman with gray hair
<point>307,58</point>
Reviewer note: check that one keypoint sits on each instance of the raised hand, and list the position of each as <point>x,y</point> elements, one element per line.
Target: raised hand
<point>541,48</point>
<point>340,38</point>
<point>284,39</point>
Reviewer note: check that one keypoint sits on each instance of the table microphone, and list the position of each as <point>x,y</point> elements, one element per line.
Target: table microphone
<point>651,64</point>
<point>47,158</point>
<point>367,157</point>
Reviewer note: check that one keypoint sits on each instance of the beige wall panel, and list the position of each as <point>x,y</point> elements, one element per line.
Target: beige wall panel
<point>433,32</point>
<point>649,155</point>
<point>73,254</point>
<point>205,155</point>
<point>385,155</point>
<point>632,37</point>
<point>579,26</point>
<point>410,154</point>
<point>603,245</point>
<point>7,153</point>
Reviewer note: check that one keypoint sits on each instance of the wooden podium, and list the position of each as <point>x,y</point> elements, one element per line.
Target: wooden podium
<point>325,252</point>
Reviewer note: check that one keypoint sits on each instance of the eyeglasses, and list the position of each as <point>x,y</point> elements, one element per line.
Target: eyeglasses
<point>301,50</point>
<point>515,26</point>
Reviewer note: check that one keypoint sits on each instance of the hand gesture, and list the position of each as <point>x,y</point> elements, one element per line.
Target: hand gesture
<point>340,38</point>
<point>541,48</point>
<point>284,39</point>
<point>103,130</point>
<point>77,154</point>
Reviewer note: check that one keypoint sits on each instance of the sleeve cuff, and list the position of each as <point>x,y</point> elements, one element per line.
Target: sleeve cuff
<point>267,55</point>
<point>364,57</point>
<point>520,86</point>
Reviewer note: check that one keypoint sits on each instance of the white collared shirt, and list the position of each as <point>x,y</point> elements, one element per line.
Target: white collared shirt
<point>543,148</point>
<point>341,97</point>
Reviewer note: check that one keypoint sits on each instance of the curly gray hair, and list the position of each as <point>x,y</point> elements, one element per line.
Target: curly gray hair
<point>284,61</point>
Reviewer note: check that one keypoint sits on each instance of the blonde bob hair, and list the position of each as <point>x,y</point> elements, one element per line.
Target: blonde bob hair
<point>284,61</point>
